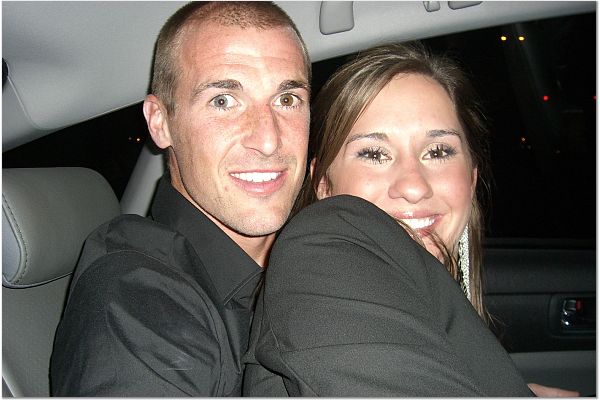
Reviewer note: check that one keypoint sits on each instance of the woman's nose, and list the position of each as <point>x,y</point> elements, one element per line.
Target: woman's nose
<point>410,182</point>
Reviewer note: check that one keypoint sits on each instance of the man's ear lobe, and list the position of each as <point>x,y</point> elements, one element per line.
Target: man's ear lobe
<point>156,119</point>
<point>312,167</point>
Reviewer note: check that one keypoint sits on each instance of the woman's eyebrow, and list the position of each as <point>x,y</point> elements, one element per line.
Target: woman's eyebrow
<point>435,133</point>
<point>382,137</point>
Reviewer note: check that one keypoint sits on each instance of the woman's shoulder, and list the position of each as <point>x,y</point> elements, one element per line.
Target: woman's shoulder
<point>341,202</point>
<point>345,216</point>
<point>347,228</point>
<point>332,212</point>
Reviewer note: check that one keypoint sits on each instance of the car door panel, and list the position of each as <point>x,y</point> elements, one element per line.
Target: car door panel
<point>543,307</point>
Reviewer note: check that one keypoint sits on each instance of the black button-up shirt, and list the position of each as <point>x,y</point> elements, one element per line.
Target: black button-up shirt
<point>157,307</point>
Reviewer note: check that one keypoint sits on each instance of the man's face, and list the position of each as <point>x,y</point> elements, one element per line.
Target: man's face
<point>240,129</point>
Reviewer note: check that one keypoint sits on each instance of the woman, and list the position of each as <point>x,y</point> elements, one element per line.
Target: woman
<point>355,86</point>
<point>352,306</point>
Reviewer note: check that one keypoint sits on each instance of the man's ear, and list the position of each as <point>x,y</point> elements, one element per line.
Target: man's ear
<point>323,188</point>
<point>156,119</point>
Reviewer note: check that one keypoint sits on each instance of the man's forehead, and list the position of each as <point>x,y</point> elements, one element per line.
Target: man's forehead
<point>228,47</point>
<point>211,36</point>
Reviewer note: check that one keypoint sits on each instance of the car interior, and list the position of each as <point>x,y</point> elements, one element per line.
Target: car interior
<point>47,214</point>
<point>66,63</point>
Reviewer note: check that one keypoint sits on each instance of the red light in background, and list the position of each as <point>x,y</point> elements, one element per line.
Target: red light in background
<point>546,98</point>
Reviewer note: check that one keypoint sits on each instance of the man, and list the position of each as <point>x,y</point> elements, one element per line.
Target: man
<point>161,306</point>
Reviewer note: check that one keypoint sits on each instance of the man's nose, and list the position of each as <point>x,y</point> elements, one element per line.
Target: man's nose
<point>264,134</point>
<point>410,182</point>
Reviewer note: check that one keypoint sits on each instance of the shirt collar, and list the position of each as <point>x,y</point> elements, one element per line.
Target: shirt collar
<point>233,272</point>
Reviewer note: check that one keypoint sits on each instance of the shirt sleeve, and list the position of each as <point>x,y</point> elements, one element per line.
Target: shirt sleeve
<point>354,307</point>
<point>133,327</point>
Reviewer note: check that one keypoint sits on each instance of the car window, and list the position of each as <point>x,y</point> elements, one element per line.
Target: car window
<point>537,82</point>
<point>109,144</point>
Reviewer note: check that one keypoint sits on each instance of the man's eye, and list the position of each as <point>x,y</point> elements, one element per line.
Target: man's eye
<point>223,101</point>
<point>288,100</point>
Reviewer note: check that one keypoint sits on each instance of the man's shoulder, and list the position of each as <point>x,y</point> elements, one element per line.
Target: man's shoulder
<point>132,241</point>
<point>130,232</point>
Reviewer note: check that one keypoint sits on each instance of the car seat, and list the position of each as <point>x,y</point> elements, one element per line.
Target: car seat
<point>47,213</point>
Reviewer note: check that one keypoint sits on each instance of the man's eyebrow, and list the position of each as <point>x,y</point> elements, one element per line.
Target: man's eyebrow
<point>293,84</point>
<point>373,135</point>
<point>229,84</point>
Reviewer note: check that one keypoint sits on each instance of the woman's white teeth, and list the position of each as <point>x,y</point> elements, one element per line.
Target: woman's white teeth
<point>256,177</point>
<point>419,223</point>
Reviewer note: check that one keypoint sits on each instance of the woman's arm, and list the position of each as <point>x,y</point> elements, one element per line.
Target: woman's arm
<point>354,307</point>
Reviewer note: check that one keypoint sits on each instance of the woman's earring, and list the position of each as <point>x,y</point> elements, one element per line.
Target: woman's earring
<point>463,262</point>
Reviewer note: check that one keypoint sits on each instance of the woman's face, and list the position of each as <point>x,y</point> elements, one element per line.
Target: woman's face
<point>407,155</point>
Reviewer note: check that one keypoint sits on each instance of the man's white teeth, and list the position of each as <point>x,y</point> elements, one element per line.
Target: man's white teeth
<point>256,177</point>
<point>418,223</point>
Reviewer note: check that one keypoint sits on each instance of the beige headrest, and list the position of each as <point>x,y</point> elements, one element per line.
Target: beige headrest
<point>47,213</point>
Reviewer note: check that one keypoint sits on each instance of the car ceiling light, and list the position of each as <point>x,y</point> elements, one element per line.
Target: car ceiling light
<point>336,17</point>
<point>431,6</point>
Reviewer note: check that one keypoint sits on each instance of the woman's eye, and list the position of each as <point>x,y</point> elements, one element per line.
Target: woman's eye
<point>287,100</point>
<point>438,152</point>
<point>223,101</point>
<point>375,155</point>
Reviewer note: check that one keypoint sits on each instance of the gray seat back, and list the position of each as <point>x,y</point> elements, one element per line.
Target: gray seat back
<point>47,213</point>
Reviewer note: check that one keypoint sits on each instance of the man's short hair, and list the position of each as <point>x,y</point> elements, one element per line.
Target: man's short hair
<point>252,14</point>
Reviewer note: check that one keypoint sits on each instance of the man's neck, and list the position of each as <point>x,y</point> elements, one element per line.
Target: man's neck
<point>257,247</point>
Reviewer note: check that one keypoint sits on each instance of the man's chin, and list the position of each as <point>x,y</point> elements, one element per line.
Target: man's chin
<point>258,225</point>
